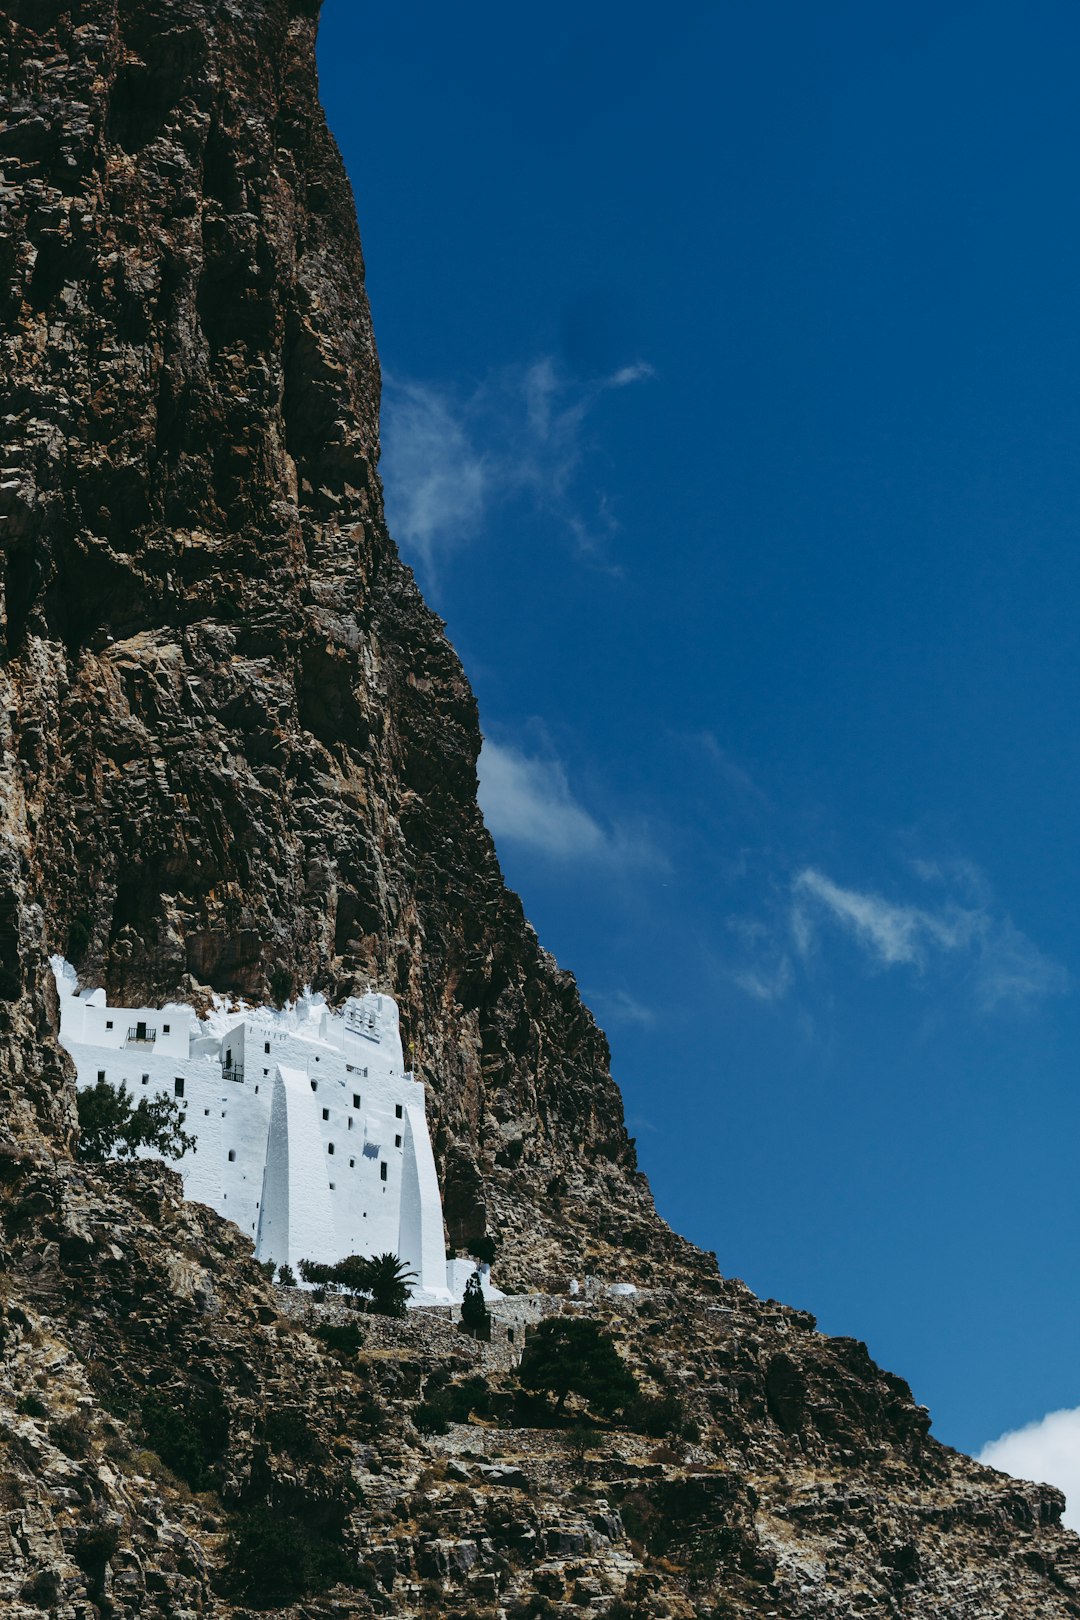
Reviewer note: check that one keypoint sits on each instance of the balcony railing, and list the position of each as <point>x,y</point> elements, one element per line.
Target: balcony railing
<point>141,1035</point>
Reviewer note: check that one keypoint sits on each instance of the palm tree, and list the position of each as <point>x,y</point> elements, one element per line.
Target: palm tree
<point>389,1282</point>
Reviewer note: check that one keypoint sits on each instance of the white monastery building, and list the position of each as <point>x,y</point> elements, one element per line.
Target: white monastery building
<point>310,1132</point>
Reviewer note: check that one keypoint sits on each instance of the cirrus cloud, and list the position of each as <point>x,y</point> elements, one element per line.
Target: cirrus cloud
<point>1002,968</point>
<point>450,459</point>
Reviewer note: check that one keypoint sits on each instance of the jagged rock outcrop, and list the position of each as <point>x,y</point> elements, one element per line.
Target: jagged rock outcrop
<point>239,754</point>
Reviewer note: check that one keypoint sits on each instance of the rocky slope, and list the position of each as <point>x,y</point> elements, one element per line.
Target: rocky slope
<point>239,753</point>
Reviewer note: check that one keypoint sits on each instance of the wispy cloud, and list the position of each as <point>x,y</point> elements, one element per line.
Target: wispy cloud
<point>437,483</point>
<point>734,775</point>
<point>620,1007</point>
<point>1002,967</point>
<point>527,799</point>
<point>889,932</point>
<point>1047,1452</point>
<point>450,459</point>
<point>765,970</point>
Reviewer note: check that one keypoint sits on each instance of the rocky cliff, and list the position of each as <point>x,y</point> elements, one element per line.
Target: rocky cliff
<point>239,754</point>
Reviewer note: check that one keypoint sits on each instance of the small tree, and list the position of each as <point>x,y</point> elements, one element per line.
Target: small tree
<point>286,1276</point>
<point>382,1280</point>
<point>475,1316</point>
<point>573,1354</point>
<point>484,1249</point>
<point>390,1284</point>
<point>109,1124</point>
<point>582,1439</point>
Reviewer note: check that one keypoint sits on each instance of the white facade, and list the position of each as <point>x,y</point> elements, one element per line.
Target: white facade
<point>310,1133</point>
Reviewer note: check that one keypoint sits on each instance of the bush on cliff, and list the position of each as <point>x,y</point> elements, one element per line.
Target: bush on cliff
<point>189,1433</point>
<point>573,1355</point>
<point>273,1557</point>
<point>110,1124</point>
<point>382,1281</point>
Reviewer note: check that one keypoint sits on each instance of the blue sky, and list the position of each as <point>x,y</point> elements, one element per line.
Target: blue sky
<point>731,422</point>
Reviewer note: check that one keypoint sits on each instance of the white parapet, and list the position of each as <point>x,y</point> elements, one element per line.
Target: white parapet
<point>310,1133</point>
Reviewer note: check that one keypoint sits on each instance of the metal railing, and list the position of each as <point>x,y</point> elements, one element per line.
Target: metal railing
<point>141,1035</point>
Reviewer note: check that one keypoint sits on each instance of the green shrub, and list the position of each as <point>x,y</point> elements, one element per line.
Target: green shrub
<point>286,1276</point>
<point>382,1280</point>
<point>344,1338</point>
<point>660,1416</point>
<point>272,1558</point>
<point>287,1429</point>
<point>430,1417</point>
<point>190,1438</point>
<point>72,1435</point>
<point>462,1400</point>
<point>484,1249</point>
<point>574,1355</point>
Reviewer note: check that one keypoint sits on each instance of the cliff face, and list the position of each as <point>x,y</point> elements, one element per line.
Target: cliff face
<point>239,754</point>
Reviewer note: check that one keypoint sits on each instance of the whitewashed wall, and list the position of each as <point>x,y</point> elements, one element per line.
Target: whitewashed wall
<point>311,1135</point>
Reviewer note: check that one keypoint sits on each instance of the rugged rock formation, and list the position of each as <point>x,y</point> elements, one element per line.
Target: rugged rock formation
<point>239,753</point>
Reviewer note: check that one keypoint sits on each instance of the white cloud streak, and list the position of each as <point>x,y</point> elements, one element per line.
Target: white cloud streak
<point>1003,969</point>
<point>620,1007</point>
<point>449,462</point>
<point>1048,1452</point>
<point>527,800</point>
<point>891,933</point>
<point>1007,969</point>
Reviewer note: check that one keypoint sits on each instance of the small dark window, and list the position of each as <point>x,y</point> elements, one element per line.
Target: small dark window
<point>108,1023</point>
<point>178,1086</point>
<point>350,1122</point>
<point>315,1059</point>
<point>333,1184</point>
<point>206,1113</point>
<point>326,1113</point>
<point>164,1029</point>
<point>228,1059</point>
<point>314,1085</point>
<point>356,1099</point>
<point>329,1147</point>
<point>352,1164</point>
<point>266,1071</point>
<point>397,1111</point>
<point>146,1079</point>
<point>256,1091</point>
<point>510,1335</point>
<point>101,1074</point>
<point>266,1046</point>
<point>232,1155</point>
<point>397,1141</point>
<point>382,1171</point>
